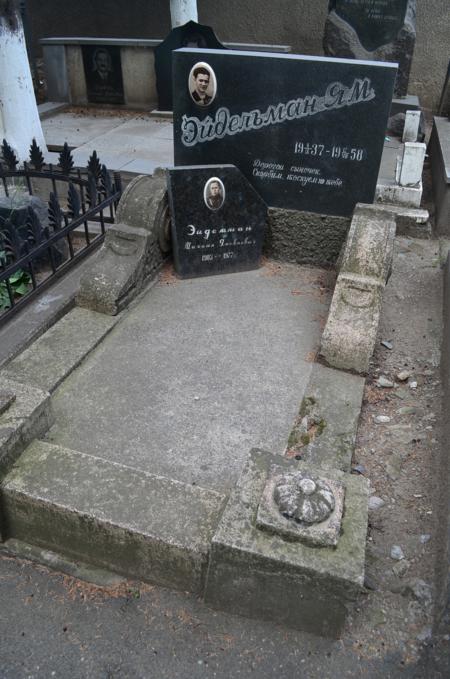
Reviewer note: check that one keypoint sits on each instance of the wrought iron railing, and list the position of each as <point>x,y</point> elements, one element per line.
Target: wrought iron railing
<point>37,250</point>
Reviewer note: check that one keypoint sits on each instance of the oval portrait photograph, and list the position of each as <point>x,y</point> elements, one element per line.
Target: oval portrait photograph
<point>202,84</point>
<point>214,193</point>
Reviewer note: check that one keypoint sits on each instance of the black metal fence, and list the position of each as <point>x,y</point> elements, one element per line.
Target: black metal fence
<point>36,246</point>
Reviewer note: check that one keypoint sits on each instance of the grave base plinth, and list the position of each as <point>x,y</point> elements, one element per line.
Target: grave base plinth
<point>305,237</point>
<point>262,574</point>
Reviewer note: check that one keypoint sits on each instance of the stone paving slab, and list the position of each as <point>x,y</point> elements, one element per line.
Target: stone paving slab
<point>60,350</point>
<point>196,374</point>
<point>113,516</point>
<point>140,139</point>
<point>77,129</point>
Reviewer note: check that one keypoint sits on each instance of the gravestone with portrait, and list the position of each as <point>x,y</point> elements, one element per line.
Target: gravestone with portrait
<point>218,220</point>
<point>103,74</point>
<point>307,132</point>
<point>190,34</point>
<point>382,30</point>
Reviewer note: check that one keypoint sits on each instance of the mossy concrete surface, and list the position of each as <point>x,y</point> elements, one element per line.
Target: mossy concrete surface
<point>262,575</point>
<point>27,416</point>
<point>305,237</point>
<point>52,357</point>
<point>111,516</point>
<point>349,336</point>
<point>324,433</point>
<point>134,248</point>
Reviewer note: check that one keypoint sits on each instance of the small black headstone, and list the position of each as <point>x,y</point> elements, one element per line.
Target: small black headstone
<point>103,73</point>
<point>444,103</point>
<point>14,209</point>
<point>307,132</point>
<point>382,30</point>
<point>190,35</point>
<point>218,220</point>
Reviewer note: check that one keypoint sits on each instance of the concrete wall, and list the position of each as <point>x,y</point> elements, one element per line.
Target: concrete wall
<point>298,23</point>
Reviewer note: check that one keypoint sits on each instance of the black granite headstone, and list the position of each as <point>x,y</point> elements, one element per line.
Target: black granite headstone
<point>307,132</point>
<point>189,35</point>
<point>103,73</point>
<point>444,103</point>
<point>382,30</point>
<point>218,220</point>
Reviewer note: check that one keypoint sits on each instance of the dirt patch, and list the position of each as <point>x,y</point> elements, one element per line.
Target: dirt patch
<point>396,449</point>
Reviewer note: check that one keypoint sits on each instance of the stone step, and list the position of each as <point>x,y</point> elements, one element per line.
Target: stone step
<point>25,413</point>
<point>111,516</point>
<point>52,357</point>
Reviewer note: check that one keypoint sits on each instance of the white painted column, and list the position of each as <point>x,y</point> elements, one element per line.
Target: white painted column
<point>19,117</point>
<point>411,129</point>
<point>182,11</point>
<point>412,164</point>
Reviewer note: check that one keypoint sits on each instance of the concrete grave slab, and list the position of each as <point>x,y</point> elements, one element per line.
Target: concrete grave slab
<point>206,368</point>
<point>256,573</point>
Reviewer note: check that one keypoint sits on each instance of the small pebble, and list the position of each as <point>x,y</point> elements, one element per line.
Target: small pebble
<point>369,583</point>
<point>420,590</point>
<point>425,635</point>
<point>426,537</point>
<point>397,553</point>
<point>408,410</point>
<point>412,385</point>
<point>375,502</point>
<point>359,469</point>
<point>388,344</point>
<point>384,382</point>
<point>401,568</point>
<point>382,419</point>
<point>403,375</point>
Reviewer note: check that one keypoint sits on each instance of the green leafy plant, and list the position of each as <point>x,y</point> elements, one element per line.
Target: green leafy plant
<point>19,282</point>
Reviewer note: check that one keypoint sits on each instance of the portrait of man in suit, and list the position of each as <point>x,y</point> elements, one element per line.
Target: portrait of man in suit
<point>202,84</point>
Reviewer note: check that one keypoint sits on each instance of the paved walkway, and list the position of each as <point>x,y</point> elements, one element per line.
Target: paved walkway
<point>133,144</point>
<point>137,144</point>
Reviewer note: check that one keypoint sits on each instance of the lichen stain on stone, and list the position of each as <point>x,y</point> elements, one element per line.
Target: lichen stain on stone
<point>9,14</point>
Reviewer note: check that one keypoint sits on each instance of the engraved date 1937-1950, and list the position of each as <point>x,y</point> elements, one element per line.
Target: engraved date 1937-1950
<point>344,152</point>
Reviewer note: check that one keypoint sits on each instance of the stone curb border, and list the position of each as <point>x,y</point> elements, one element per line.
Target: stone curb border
<point>442,505</point>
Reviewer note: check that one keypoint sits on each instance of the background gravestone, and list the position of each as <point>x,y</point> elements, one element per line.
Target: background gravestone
<point>382,30</point>
<point>103,73</point>
<point>444,103</point>
<point>218,220</point>
<point>189,35</point>
<point>307,132</point>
